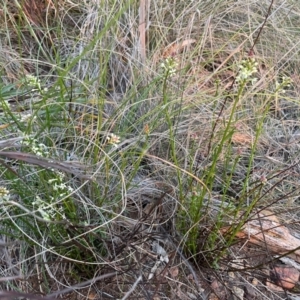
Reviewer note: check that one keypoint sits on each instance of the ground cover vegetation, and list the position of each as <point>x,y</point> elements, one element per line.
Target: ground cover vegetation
<point>140,140</point>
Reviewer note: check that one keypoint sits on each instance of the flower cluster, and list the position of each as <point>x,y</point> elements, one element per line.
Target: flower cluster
<point>169,66</point>
<point>51,209</point>
<point>34,83</point>
<point>285,83</point>
<point>25,118</point>
<point>4,194</point>
<point>59,185</point>
<point>43,208</point>
<point>48,211</point>
<point>247,68</point>
<point>113,139</point>
<point>37,148</point>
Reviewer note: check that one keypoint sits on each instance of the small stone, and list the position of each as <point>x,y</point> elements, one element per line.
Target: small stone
<point>250,291</point>
<point>285,276</point>
<point>274,288</point>
<point>219,290</point>
<point>238,293</point>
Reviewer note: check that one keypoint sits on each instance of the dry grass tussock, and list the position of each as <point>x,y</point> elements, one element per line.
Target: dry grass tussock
<point>142,144</point>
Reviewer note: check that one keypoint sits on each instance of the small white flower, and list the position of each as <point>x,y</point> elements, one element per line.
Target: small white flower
<point>61,175</point>
<point>43,208</point>
<point>52,180</point>
<point>45,215</point>
<point>70,189</point>
<point>6,103</point>
<point>61,186</point>
<point>285,83</point>
<point>26,118</point>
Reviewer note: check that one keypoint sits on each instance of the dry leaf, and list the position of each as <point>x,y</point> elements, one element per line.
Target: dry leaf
<point>174,271</point>
<point>92,296</point>
<point>3,126</point>
<point>240,138</point>
<point>176,48</point>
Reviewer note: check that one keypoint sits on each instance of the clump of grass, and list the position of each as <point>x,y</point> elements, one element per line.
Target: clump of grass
<point>105,152</point>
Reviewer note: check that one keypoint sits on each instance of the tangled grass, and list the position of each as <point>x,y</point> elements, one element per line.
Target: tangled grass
<point>133,133</point>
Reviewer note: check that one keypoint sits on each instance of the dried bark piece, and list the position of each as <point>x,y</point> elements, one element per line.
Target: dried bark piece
<point>266,230</point>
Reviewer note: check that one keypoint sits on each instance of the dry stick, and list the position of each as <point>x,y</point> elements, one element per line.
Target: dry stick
<point>47,163</point>
<point>132,288</point>
<point>79,285</point>
<point>142,29</point>
<point>13,295</point>
<point>251,51</point>
<point>7,278</point>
